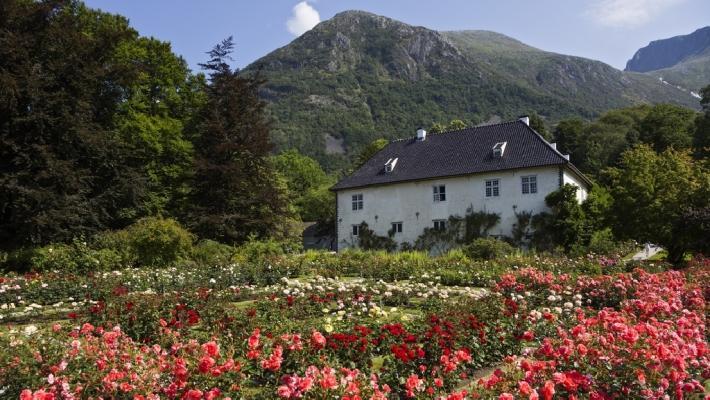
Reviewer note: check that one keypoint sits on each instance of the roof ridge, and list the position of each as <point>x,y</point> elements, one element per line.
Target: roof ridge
<point>460,130</point>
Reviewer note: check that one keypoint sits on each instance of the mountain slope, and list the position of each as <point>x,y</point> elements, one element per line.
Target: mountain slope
<point>680,61</point>
<point>666,53</point>
<point>359,76</point>
<point>590,84</point>
<point>692,73</point>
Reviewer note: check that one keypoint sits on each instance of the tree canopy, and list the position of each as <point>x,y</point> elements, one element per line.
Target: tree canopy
<point>64,171</point>
<point>309,186</point>
<point>599,144</point>
<point>652,194</point>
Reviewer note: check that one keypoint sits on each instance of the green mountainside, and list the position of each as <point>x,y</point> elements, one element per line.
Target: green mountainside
<point>692,73</point>
<point>360,76</point>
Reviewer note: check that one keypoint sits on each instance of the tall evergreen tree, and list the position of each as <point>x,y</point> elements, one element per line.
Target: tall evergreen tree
<point>62,171</point>
<point>236,192</point>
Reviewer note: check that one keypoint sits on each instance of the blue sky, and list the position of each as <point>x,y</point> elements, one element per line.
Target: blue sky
<point>606,30</point>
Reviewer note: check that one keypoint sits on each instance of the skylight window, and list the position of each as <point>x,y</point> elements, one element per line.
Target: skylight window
<point>390,164</point>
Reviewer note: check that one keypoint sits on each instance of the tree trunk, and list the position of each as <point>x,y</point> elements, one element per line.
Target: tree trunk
<point>675,256</point>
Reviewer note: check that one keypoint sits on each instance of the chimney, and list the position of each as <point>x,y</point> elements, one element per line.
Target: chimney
<point>566,156</point>
<point>421,134</point>
<point>525,119</point>
<point>554,145</point>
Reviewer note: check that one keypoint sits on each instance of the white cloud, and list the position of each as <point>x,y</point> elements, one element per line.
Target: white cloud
<point>628,13</point>
<point>303,18</point>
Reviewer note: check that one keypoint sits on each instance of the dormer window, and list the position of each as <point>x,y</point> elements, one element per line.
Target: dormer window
<point>499,149</point>
<point>390,164</point>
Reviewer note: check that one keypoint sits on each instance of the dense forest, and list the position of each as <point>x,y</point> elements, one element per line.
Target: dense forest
<point>101,128</point>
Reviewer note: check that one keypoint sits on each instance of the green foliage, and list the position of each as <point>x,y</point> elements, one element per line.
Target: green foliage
<point>522,229</point>
<point>74,257</point>
<point>573,227</point>
<point>456,125</point>
<point>564,225</point>
<point>63,171</point>
<point>309,185</point>
<point>568,134</point>
<point>437,127</point>
<point>261,250</point>
<point>597,208</point>
<point>209,252</point>
<point>159,241</point>
<point>368,151</point>
<point>368,240</point>
<point>599,144</point>
<point>487,249</point>
<point>477,224</point>
<point>651,192</point>
<point>459,230</point>
<point>236,192</point>
<point>602,242</point>
<point>302,173</point>
<point>603,140</point>
<point>701,137</point>
<point>318,204</point>
<point>667,126</point>
<point>160,103</point>
<point>538,124</point>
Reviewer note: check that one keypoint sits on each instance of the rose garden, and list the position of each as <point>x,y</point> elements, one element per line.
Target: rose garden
<point>360,326</point>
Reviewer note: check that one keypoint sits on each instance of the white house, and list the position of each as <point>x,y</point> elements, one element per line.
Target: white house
<point>420,182</point>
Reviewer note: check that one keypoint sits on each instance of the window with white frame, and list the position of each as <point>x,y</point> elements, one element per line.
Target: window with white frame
<point>357,202</point>
<point>396,227</point>
<point>356,230</point>
<point>529,184</point>
<point>439,193</point>
<point>492,187</point>
<point>440,224</point>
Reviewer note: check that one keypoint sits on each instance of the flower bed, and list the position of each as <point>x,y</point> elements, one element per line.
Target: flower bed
<point>212,335</point>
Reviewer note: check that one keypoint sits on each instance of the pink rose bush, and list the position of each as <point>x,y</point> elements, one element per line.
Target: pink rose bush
<point>652,347</point>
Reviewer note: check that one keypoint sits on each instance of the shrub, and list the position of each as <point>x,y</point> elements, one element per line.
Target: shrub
<point>118,241</point>
<point>369,240</point>
<point>159,241</point>
<point>602,242</point>
<point>473,225</point>
<point>18,260</point>
<point>488,249</point>
<point>260,250</point>
<point>209,252</point>
<point>455,256</point>
<point>73,257</point>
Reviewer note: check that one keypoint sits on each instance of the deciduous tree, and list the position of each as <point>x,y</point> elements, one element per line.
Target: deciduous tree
<point>63,171</point>
<point>652,194</point>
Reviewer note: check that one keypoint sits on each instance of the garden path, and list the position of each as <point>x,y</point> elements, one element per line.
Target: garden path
<point>642,255</point>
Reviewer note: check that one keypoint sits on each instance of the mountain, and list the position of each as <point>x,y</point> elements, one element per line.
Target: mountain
<point>680,61</point>
<point>360,76</point>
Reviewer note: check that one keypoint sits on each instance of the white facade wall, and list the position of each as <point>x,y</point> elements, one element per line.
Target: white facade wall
<point>412,203</point>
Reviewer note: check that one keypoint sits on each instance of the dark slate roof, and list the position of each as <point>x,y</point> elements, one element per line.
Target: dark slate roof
<point>463,152</point>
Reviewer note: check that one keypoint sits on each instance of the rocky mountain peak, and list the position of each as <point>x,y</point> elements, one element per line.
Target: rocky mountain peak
<point>358,39</point>
<point>666,53</point>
